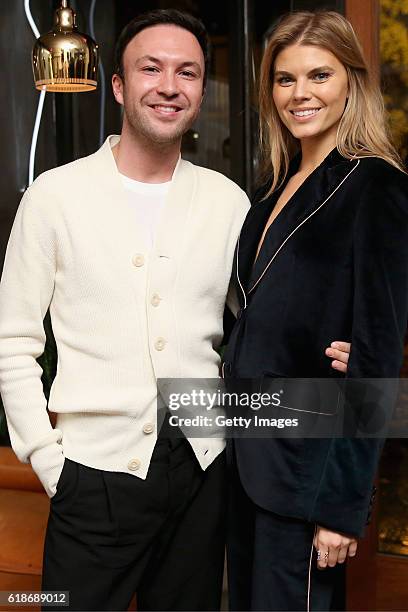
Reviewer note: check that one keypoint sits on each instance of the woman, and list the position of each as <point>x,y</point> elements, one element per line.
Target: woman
<point>322,254</point>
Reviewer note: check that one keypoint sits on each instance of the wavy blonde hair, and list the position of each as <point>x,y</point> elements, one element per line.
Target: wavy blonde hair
<point>362,131</point>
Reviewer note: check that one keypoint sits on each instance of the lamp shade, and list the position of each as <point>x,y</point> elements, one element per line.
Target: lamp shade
<point>65,60</point>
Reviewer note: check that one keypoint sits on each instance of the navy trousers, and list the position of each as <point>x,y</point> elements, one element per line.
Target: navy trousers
<point>271,562</point>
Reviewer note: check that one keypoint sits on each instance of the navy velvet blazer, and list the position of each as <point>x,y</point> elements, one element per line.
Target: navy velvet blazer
<point>333,266</point>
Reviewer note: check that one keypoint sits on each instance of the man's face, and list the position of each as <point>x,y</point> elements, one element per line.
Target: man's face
<point>162,88</point>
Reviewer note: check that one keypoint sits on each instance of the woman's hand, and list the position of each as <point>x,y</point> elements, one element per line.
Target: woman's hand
<point>340,353</point>
<point>334,547</point>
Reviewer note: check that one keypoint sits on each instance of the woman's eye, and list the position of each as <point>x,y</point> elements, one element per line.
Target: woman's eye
<point>284,80</point>
<point>321,76</point>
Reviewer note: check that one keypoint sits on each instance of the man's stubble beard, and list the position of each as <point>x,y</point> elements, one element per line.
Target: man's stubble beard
<point>141,127</point>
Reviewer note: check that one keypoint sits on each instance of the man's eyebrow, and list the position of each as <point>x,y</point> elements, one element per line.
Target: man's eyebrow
<point>156,60</point>
<point>148,58</point>
<point>312,71</point>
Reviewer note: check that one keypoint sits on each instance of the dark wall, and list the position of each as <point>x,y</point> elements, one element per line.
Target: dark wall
<point>18,107</point>
<point>87,107</point>
<point>18,101</point>
<point>70,122</point>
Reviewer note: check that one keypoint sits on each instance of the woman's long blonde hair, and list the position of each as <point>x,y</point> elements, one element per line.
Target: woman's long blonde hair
<point>362,130</point>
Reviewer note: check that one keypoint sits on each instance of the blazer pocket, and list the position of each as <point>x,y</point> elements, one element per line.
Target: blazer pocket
<point>312,402</point>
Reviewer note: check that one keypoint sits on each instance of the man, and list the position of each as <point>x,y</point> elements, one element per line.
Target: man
<point>131,249</point>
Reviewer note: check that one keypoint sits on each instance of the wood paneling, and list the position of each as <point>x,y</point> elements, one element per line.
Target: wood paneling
<point>361,572</point>
<point>364,16</point>
<point>392,583</point>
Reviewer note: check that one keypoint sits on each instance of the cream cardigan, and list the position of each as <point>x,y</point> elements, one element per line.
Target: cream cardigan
<point>123,314</point>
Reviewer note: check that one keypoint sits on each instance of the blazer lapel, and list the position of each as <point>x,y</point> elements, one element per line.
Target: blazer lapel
<point>311,196</point>
<point>250,236</point>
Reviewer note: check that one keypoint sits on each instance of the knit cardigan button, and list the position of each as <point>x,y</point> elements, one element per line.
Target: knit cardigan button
<point>148,428</point>
<point>160,344</point>
<point>134,464</point>
<point>156,299</point>
<point>138,260</point>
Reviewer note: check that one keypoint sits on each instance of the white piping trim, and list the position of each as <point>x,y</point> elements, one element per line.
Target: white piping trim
<point>239,280</point>
<point>309,579</point>
<point>308,411</point>
<point>298,226</point>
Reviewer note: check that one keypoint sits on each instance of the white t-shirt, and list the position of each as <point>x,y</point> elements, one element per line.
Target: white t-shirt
<point>147,200</point>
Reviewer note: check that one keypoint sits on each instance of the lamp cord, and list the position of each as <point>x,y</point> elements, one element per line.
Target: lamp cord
<point>40,107</point>
<point>101,77</point>
<point>30,18</point>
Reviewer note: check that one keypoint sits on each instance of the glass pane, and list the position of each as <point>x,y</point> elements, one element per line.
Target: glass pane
<point>207,143</point>
<point>393,502</point>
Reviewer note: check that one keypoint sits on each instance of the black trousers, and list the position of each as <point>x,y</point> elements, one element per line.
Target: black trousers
<point>110,534</point>
<point>269,558</point>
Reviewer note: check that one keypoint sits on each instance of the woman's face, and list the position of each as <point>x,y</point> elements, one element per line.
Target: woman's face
<point>309,90</point>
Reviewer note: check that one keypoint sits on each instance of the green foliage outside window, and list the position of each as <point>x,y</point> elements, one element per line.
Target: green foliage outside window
<point>394,69</point>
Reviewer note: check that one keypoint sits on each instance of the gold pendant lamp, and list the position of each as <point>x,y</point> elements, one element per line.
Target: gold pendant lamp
<point>65,60</point>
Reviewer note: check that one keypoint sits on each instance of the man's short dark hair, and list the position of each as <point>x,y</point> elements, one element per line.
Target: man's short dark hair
<point>160,17</point>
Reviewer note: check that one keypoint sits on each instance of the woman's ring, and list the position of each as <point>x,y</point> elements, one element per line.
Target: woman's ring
<point>319,555</point>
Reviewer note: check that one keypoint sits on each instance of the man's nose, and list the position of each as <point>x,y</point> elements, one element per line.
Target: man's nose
<point>168,84</point>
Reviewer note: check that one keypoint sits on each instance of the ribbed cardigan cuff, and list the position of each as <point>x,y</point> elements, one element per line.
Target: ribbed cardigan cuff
<point>47,462</point>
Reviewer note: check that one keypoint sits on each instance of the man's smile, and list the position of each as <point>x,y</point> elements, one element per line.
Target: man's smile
<point>166,109</point>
